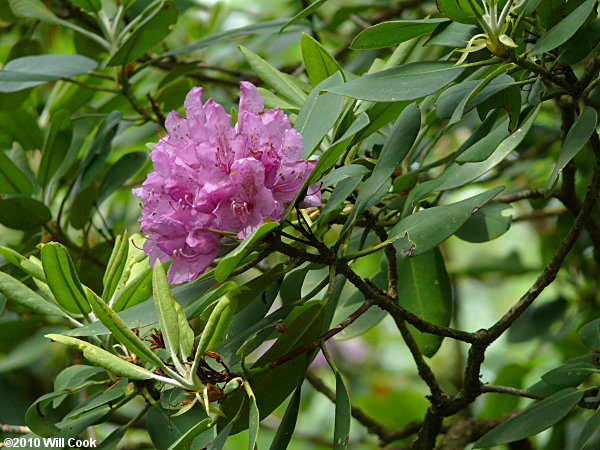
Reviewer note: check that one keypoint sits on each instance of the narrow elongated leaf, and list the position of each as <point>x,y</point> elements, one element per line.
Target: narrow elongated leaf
<point>89,5</point>
<point>426,229</point>
<point>459,175</point>
<point>185,439</point>
<point>483,148</point>
<point>272,387</point>
<point>589,334</point>
<point>533,420</point>
<point>21,212</point>
<point>122,332</point>
<point>253,423</point>
<point>104,359</point>
<point>588,430</point>
<point>564,29</point>
<point>288,423</point>
<point>115,267</point>
<point>186,334</point>
<point>152,30</point>
<point>305,12</point>
<point>165,309</point>
<point>386,34</point>
<point>452,34</point>
<point>259,28</point>
<point>340,193</point>
<point>396,147</point>
<point>17,292</point>
<point>424,288</point>
<point>281,82</point>
<point>28,71</point>
<point>37,421</point>
<point>486,224</point>
<point>575,140</point>
<point>12,179</point>
<point>344,172</point>
<point>119,173</point>
<point>458,10</point>
<point>406,82</point>
<point>319,63</point>
<point>235,257</point>
<point>56,146</point>
<point>111,441</point>
<point>341,431</point>
<point>318,114</point>
<point>29,266</point>
<point>572,374</point>
<point>63,280</point>
<point>460,97</point>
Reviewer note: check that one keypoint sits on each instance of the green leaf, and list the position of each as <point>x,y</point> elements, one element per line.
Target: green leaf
<point>341,431</point>
<point>189,435</point>
<point>272,387</point>
<point>318,61</point>
<point>459,175</point>
<point>104,359</point>
<point>424,288</point>
<point>395,32</point>
<point>575,140</point>
<point>563,30</point>
<point>396,147</point>
<point>186,334</point>
<point>253,423</point>
<point>486,224</point>
<point>588,430</point>
<point>35,9</point>
<point>17,292</point>
<point>340,193</point>
<point>101,398</point>
<point>259,28</point>
<point>151,31</point>
<point>235,257</point>
<point>23,213</point>
<point>63,280</point>
<point>533,420</point>
<point>12,179</point>
<point>484,147</point>
<point>122,332</point>
<point>73,379</point>
<point>319,113</point>
<point>287,426</point>
<point>343,173</point>
<point>282,83</point>
<point>120,172</point>
<point>219,442</point>
<point>458,10</point>
<point>406,82</point>
<point>166,430</point>
<point>589,334</point>
<point>580,45</point>
<point>89,5</point>
<point>426,229</point>
<point>572,374</point>
<point>37,421</point>
<point>218,321</point>
<point>452,34</point>
<point>304,13</point>
<point>56,146</point>
<point>111,441</point>
<point>115,267</point>
<point>29,71</point>
<point>166,311</point>
<point>465,96</point>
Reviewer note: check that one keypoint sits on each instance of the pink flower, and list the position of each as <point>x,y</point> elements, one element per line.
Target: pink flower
<point>212,176</point>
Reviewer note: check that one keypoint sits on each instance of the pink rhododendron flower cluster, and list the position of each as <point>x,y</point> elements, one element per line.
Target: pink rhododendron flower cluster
<point>210,175</point>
